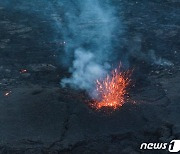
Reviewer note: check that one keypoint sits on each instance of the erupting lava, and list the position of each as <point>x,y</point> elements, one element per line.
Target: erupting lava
<point>112,91</point>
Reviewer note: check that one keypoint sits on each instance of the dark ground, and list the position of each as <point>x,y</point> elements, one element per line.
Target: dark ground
<point>38,116</point>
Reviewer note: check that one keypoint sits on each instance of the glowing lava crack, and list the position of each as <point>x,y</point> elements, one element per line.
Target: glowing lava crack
<point>112,91</point>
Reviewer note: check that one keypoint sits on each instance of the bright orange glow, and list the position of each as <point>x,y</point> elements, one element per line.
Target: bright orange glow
<point>112,91</point>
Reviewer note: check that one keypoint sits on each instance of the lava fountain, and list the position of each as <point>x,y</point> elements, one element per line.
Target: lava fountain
<point>112,91</point>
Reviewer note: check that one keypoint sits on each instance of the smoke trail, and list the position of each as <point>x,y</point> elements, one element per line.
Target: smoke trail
<point>89,36</point>
<point>158,60</point>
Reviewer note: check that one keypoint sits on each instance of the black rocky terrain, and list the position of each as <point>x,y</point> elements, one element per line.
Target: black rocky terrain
<point>38,116</point>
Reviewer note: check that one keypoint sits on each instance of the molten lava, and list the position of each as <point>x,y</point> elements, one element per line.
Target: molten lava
<point>112,91</point>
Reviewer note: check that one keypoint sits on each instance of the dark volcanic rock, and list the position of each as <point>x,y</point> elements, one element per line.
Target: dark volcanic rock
<point>39,116</point>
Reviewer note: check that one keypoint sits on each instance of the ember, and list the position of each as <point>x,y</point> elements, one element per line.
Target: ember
<point>112,91</point>
<point>23,71</point>
<point>7,93</point>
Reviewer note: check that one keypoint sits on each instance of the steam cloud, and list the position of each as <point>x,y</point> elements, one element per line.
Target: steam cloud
<point>89,36</point>
<point>91,31</point>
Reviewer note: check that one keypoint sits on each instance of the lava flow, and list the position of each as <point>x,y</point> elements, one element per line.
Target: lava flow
<point>112,91</point>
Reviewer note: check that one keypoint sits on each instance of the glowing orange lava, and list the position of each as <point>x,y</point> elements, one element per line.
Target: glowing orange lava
<point>112,91</point>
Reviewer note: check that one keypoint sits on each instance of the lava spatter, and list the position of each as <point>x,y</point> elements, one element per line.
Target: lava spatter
<point>112,91</point>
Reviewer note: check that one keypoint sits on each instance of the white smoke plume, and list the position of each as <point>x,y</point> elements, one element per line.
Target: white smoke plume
<point>85,70</point>
<point>89,34</point>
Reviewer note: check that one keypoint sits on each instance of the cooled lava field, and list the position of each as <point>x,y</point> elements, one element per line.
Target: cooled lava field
<point>38,115</point>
